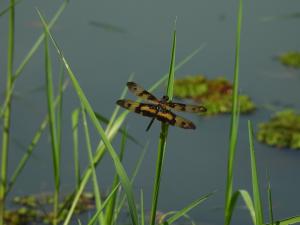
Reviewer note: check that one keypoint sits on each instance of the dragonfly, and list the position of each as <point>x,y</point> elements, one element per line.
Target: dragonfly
<point>159,109</point>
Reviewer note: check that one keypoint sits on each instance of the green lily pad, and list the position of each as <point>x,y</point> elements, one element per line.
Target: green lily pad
<point>290,59</point>
<point>215,95</point>
<point>282,131</point>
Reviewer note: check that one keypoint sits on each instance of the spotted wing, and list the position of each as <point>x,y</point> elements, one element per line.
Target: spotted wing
<point>168,117</point>
<point>186,108</point>
<point>141,92</point>
<point>144,109</point>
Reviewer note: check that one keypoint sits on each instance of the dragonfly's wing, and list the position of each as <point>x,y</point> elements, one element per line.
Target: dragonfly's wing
<point>186,108</point>
<point>168,117</point>
<point>140,108</point>
<point>141,92</point>
<point>150,110</point>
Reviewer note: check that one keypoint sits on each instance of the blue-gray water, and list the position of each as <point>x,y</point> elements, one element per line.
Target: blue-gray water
<point>139,40</point>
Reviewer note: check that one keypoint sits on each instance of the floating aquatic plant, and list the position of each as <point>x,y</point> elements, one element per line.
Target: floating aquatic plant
<point>290,59</point>
<point>215,94</point>
<point>282,131</point>
<point>33,208</point>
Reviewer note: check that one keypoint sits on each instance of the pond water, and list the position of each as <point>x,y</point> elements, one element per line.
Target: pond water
<point>106,41</point>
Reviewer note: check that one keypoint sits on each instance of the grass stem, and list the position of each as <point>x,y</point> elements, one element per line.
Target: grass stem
<point>234,121</point>
<point>7,111</point>
<point>163,137</point>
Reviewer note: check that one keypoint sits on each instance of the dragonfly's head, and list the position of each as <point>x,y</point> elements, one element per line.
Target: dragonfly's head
<point>165,98</point>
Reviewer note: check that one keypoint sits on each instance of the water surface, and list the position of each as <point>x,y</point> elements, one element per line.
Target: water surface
<point>106,41</point>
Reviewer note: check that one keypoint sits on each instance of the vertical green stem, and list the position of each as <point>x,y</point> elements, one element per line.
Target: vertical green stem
<point>234,120</point>
<point>111,205</point>
<point>53,130</point>
<point>97,192</point>
<point>142,209</point>
<point>159,164</point>
<point>163,135</point>
<point>7,113</point>
<point>75,121</point>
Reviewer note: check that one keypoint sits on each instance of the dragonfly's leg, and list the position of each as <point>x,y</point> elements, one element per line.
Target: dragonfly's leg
<point>150,124</point>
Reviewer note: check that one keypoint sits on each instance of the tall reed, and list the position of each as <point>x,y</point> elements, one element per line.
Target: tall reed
<point>54,129</point>
<point>7,111</point>
<point>163,137</point>
<point>234,120</point>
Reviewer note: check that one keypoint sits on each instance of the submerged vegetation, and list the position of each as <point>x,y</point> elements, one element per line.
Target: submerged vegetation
<point>215,94</point>
<point>219,96</point>
<point>282,131</point>
<point>290,59</point>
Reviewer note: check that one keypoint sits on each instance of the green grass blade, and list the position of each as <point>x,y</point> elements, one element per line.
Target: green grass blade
<point>271,217</point>
<point>53,129</point>
<point>75,123</point>
<point>108,198</point>
<point>112,204</point>
<point>186,216</point>
<point>249,204</point>
<point>255,183</point>
<point>60,108</point>
<point>163,137</point>
<point>234,120</point>
<point>118,166</point>
<point>289,221</point>
<point>120,204</point>
<point>248,201</point>
<point>142,209</point>
<point>159,166</point>
<point>96,186</point>
<point>7,110</point>
<point>186,209</point>
<point>172,68</point>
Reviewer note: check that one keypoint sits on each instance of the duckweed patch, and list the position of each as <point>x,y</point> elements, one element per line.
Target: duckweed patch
<point>32,209</point>
<point>290,59</point>
<point>282,131</point>
<point>215,94</point>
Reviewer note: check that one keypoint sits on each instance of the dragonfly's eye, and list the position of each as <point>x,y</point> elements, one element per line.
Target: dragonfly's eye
<point>165,98</point>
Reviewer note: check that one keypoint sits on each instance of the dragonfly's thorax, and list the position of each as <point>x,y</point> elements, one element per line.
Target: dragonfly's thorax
<point>161,106</point>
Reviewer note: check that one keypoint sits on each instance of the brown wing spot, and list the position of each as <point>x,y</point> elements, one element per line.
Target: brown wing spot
<point>145,93</point>
<point>130,84</point>
<point>121,103</point>
<point>150,97</point>
<point>184,123</point>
